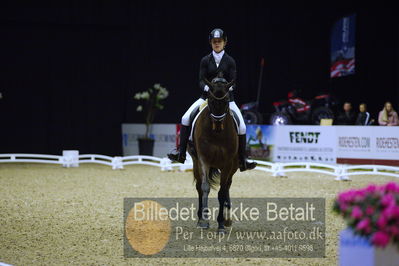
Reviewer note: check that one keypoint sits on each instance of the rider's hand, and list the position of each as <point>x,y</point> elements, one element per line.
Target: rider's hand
<point>206,88</point>
<point>231,88</point>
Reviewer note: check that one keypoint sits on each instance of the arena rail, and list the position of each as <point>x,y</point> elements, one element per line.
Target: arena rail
<point>340,172</point>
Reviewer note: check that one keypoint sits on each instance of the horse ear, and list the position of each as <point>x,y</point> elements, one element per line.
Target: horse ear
<point>208,83</point>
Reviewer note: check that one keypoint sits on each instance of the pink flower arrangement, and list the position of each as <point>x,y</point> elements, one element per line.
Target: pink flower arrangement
<point>372,212</point>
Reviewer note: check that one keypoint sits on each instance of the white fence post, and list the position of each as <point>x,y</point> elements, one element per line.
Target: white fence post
<point>70,158</point>
<point>277,169</point>
<point>341,173</point>
<point>117,162</point>
<point>188,164</point>
<point>166,164</point>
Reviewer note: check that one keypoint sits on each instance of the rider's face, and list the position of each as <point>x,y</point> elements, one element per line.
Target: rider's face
<point>218,44</point>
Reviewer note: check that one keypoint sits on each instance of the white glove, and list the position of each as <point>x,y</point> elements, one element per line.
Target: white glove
<point>231,88</point>
<point>206,88</point>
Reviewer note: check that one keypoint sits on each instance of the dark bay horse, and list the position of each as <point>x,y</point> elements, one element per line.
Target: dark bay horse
<point>215,156</point>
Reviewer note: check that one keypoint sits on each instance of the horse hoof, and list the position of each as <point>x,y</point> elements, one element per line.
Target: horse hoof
<point>227,223</point>
<point>203,224</point>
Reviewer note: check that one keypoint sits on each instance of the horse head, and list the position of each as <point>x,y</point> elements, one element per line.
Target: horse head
<point>218,100</point>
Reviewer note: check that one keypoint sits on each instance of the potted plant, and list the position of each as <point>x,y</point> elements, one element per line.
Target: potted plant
<point>372,216</point>
<point>150,102</point>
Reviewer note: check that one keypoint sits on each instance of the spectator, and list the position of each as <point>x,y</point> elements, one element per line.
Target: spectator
<point>363,118</point>
<point>347,117</point>
<point>388,116</point>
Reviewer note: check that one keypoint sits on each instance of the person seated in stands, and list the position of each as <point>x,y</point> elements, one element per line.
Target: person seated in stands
<point>347,117</point>
<point>363,118</point>
<point>388,116</point>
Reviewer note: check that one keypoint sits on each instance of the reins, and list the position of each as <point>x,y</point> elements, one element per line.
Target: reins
<point>218,98</point>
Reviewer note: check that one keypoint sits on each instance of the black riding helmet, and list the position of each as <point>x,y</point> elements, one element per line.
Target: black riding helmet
<point>217,33</point>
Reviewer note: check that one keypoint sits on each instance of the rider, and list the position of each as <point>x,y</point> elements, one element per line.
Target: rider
<point>212,64</point>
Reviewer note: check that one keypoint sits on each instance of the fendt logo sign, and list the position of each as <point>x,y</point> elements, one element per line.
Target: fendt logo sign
<point>304,137</point>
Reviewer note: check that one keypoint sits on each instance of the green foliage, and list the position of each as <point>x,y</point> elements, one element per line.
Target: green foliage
<point>151,101</point>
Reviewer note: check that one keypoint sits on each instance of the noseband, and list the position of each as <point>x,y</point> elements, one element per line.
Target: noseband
<point>218,98</point>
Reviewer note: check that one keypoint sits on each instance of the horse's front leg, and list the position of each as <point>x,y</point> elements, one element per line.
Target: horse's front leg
<point>203,210</point>
<point>224,218</point>
<point>227,208</point>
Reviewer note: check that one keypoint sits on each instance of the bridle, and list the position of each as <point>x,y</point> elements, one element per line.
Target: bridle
<point>218,118</point>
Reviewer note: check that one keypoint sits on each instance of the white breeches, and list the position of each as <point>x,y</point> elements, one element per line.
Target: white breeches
<point>185,120</point>
<point>243,129</point>
<point>233,106</point>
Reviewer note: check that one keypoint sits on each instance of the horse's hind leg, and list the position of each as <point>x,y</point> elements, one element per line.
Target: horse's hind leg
<point>203,189</point>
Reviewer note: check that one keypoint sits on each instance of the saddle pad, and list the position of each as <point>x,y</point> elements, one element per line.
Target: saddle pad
<point>202,108</point>
<point>203,105</point>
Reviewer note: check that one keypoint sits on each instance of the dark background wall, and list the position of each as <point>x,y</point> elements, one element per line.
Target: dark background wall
<point>68,75</point>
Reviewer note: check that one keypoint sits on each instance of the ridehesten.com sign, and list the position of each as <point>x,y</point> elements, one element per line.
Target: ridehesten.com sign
<point>368,145</point>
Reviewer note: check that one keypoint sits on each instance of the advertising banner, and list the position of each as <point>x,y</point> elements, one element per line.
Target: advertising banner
<point>163,134</point>
<point>319,144</point>
<point>304,144</point>
<point>343,47</point>
<point>260,141</point>
<point>368,145</point>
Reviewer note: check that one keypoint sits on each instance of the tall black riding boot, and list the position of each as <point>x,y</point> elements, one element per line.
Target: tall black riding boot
<point>242,156</point>
<point>181,155</point>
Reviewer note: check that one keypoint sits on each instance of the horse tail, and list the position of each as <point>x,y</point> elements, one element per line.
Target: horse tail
<point>214,177</point>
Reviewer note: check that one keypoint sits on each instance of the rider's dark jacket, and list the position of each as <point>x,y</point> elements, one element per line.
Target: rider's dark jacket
<point>209,70</point>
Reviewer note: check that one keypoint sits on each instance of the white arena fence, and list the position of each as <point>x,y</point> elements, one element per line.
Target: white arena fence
<point>340,172</point>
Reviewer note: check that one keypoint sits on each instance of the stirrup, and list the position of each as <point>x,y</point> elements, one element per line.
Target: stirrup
<point>247,165</point>
<point>176,157</point>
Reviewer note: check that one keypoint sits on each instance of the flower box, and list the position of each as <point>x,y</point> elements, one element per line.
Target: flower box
<point>372,216</point>
<point>357,250</point>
